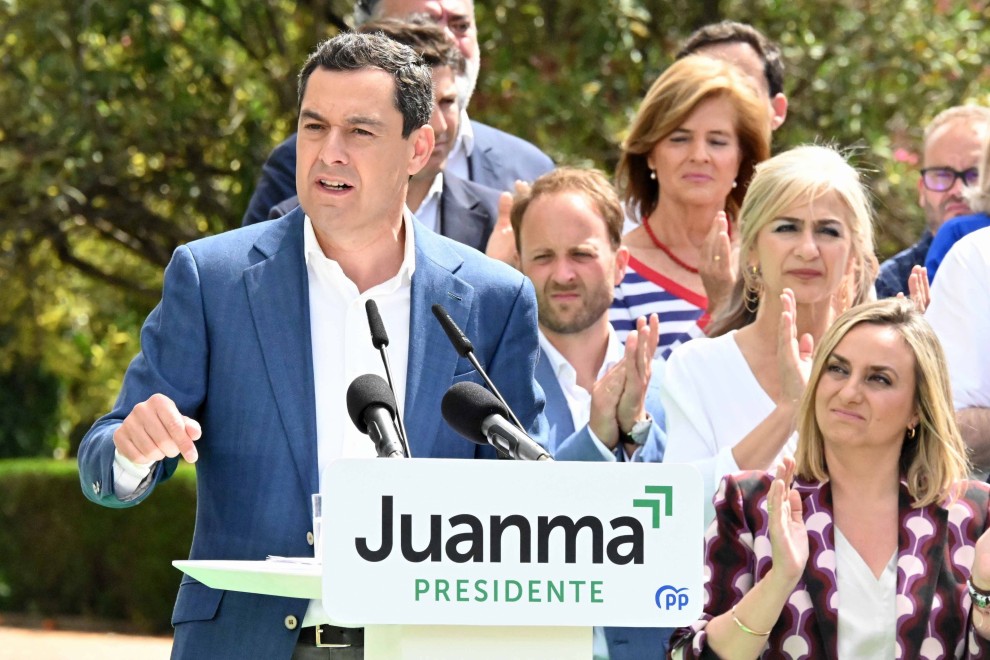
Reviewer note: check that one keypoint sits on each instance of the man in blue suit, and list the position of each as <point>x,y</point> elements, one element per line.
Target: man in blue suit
<point>602,399</point>
<point>244,363</point>
<point>481,154</point>
<point>451,206</point>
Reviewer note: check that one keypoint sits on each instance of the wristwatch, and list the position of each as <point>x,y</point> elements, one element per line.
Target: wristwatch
<point>980,598</point>
<point>638,433</point>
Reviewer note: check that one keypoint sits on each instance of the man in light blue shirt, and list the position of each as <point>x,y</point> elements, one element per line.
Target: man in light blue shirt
<point>602,399</point>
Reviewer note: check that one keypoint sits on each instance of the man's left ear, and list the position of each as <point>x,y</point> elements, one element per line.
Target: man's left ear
<point>422,140</point>
<point>621,261</point>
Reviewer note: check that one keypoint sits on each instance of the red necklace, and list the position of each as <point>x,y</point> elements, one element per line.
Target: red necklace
<point>666,250</point>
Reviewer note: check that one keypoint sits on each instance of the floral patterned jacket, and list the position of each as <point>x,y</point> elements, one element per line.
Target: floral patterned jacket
<point>935,553</point>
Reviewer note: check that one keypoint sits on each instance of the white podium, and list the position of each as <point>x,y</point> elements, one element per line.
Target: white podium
<point>493,559</point>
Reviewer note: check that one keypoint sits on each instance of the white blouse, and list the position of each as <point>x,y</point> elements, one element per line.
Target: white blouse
<point>867,605</point>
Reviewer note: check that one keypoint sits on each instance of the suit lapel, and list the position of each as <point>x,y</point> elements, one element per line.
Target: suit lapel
<point>556,409</point>
<point>460,217</point>
<point>278,294</point>
<point>819,576</point>
<point>920,557</point>
<point>430,369</point>
<point>483,163</point>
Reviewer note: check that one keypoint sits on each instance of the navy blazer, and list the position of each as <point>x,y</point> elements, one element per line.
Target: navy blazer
<point>496,161</point>
<point>230,344</point>
<point>567,444</point>
<point>468,211</point>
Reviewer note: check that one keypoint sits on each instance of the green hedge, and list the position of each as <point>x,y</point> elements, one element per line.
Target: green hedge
<point>60,554</point>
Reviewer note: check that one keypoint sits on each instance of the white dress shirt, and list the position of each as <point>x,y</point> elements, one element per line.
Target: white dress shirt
<point>342,351</point>
<point>428,212</point>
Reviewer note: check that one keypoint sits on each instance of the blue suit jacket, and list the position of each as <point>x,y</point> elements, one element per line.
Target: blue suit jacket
<point>230,344</point>
<point>496,161</point>
<point>566,444</point>
<point>499,159</point>
<point>468,211</point>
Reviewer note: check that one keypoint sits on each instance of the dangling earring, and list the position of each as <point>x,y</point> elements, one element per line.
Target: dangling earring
<point>842,298</point>
<point>911,432</point>
<point>753,289</point>
<point>653,175</point>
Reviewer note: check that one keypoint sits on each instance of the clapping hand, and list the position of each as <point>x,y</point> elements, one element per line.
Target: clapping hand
<point>719,262</point>
<point>793,353</point>
<point>918,289</point>
<point>502,242</point>
<point>788,535</point>
<point>640,348</point>
<point>618,398</point>
<point>605,395</point>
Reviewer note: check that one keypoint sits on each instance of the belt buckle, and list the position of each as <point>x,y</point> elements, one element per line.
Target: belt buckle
<point>328,645</point>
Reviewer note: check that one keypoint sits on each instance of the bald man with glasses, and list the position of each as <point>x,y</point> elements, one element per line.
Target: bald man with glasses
<point>950,156</point>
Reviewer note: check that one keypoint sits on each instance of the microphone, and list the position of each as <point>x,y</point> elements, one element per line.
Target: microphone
<point>379,338</point>
<point>479,416</point>
<point>371,406</point>
<point>465,349</point>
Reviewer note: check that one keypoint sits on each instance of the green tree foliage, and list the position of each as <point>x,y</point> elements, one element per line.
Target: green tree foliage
<point>132,126</point>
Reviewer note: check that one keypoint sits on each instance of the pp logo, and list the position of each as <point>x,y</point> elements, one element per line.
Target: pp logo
<point>669,596</point>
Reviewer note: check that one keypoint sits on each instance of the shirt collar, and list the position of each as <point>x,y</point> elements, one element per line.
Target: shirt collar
<point>313,253</point>
<point>465,135</point>
<point>436,189</point>
<point>614,352</point>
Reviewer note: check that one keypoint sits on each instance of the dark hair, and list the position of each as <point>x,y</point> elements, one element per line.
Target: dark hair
<point>731,32</point>
<point>422,35</point>
<point>353,52</point>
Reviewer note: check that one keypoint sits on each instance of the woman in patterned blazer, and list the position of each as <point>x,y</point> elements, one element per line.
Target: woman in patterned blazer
<point>878,547</point>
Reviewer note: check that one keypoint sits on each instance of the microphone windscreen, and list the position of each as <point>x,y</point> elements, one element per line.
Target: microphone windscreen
<point>368,390</point>
<point>378,335</point>
<point>466,406</point>
<point>461,343</point>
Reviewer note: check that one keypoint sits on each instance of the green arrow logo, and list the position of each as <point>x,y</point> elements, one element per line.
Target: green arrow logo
<point>654,504</point>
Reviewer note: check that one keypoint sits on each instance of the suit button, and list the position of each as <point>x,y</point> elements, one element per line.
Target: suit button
<point>291,622</point>
<point>309,538</point>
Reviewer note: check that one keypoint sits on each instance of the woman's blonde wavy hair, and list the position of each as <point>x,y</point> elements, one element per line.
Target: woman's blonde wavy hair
<point>934,460</point>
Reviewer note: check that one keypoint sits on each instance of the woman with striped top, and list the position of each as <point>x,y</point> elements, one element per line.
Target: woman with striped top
<point>684,169</point>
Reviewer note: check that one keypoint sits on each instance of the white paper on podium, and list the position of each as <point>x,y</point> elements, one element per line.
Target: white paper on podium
<point>273,578</point>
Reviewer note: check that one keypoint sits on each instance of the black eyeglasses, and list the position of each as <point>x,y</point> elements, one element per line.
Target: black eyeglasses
<point>940,179</point>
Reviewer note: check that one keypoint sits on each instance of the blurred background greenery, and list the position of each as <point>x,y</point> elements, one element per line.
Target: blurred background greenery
<point>131,126</point>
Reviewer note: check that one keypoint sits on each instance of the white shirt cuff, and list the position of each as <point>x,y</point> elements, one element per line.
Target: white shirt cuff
<point>128,475</point>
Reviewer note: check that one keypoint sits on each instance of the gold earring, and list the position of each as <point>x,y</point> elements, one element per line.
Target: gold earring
<point>911,432</point>
<point>753,289</point>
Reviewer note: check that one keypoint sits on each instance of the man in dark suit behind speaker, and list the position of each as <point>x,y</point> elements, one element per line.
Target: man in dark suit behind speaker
<point>480,153</point>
